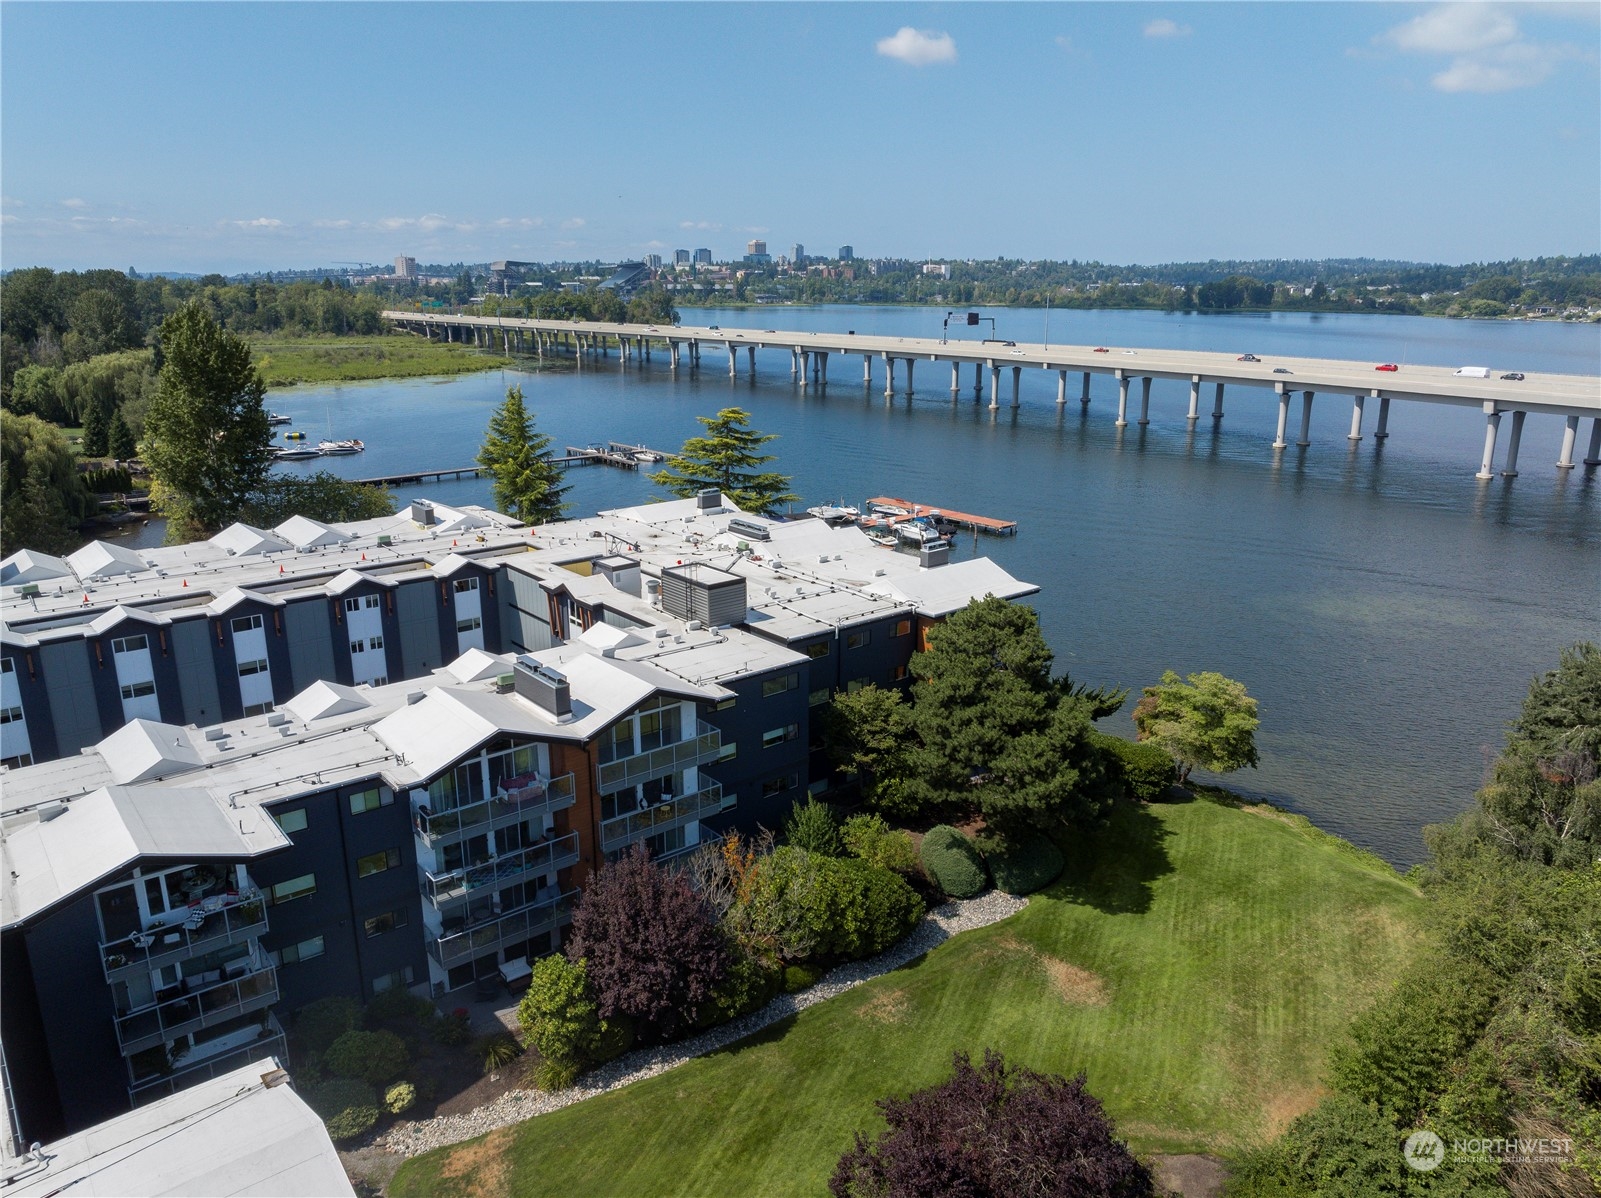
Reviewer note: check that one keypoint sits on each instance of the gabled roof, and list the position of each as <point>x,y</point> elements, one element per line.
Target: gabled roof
<point>107,620</point>
<point>608,636</point>
<point>449,564</point>
<point>346,579</point>
<point>98,559</point>
<point>243,540</point>
<point>28,565</point>
<point>456,520</point>
<point>234,596</point>
<point>145,749</point>
<point>305,533</point>
<point>475,665</point>
<point>324,698</point>
<point>442,727</point>
<point>943,589</point>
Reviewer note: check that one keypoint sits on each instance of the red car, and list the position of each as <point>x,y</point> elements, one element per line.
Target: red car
<point>1387,366</point>
<point>1101,349</point>
<point>1247,358</point>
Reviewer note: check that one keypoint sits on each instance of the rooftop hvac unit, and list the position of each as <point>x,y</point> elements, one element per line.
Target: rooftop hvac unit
<point>385,539</point>
<point>934,555</point>
<point>749,528</point>
<point>696,591</point>
<point>708,499</point>
<point>422,512</point>
<point>544,687</point>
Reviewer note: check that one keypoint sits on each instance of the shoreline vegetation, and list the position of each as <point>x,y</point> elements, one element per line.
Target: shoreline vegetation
<point>295,361</point>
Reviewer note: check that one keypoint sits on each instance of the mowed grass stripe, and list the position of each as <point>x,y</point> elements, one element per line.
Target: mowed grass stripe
<point>1196,964</point>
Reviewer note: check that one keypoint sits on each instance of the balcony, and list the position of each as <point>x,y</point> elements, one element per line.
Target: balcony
<point>544,917</point>
<point>217,921</point>
<point>675,813</point>
<point>554,854</point>
<point>266,1039</point>
<point>176,1013</point>
<point>523,798</point>
<point>705,746</point>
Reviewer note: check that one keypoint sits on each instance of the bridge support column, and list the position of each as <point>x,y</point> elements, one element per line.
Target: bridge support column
<point>822,369</point>
<point>672,356</point>
<point>1122,400</point>
<point>1492,423</point>
<point>1145,400</point>
<point>733,362</point>
<point>1306,420</point>
<point>1217,403</point>
<point>1195,399</point>
<point>889,377</point>
<point>956,377</point>
<point>1061,388</point>
<point>995,387</point>
<point>1356,418</point>
<point>1017,383</point>
<point>750,361</point>
<point>1593,456</point>
<point>805,368</point>
<point>1570,433</point>
<point>910,362</point>
<point>1383,430</point>
<point>978,380</point>
<point>1284,416</point>
<point>1510,469</point>
<point>794,361</point>
<point>867,370</point>
<point>1084,395</point>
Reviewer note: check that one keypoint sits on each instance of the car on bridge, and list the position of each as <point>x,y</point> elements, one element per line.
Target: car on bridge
<point>1391,366</point>
<point>1247,358</point>
<point>1515,376</point>
<point>1101,349</point>
<point>1282,370</point>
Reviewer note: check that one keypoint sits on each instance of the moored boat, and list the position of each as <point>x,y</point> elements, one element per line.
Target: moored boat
<point>647,455</point>
<point>298,453</point>
<point>336,448</point>
<point>275,418</point>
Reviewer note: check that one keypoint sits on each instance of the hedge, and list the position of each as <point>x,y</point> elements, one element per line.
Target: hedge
<point>1023,863</point>
<point>1140,770</point>
<point>375,1057</point>
<point>953,863</point>
<point>347,1107</point>
<point>828,908</point>
<point>320,1023</point>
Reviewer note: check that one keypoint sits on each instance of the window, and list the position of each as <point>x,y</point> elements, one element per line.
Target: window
<point>401,977</point>
<point>375,642</point>
<point>17,762</point>
<point>10,715</point>
<point>306,950</point>
<point>779,685</point>
<point>376,863</point>
<point>856,684</point>
<point>387,922</point>
<point>7,666</point>
<point>900,673</point>
<point>856,640</point>
<point>369,601</point>
<point>777,786</point>
<point>246,624</point>
<point>903,628</point>
<point>725,704</point>
<point>138,690</point>
<point>358,646</point>
<point>291,821</point>
<point>730,750</point>
<point>820,649</point>
<point>301,887</point>
<point>777,736</point>
<point>466,584</point>
<point>258,709</point>
<point>818,697</point>
<point>246,668</point>
<point>352,604</point>
<point>470,624</point>
<point>370,800</point>
<point>130,644</point>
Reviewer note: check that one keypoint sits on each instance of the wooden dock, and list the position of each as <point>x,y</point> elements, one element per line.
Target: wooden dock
<point>417,476</point>
<point>999,528</point>
<point>591,455</point>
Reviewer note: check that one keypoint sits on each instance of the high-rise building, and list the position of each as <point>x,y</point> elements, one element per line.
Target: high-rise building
<point>405,268</point>
<point>680,257</point>
<point>846,253</point>
<point>703,257</point>
<point>797,254</point>
<point>755,247</point>
<point>654,261</point>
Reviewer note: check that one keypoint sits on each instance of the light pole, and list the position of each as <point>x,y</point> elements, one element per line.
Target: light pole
<point>945,330</point>
<point>1047,322</point>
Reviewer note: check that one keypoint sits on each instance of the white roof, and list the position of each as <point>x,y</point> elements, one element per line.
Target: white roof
<point>445,725</point>
<point>234,596</point>
<point>305,533</point>
<point>940,590</point>
<point>145,749</point>
<point>98,559</point>
<point>609,636</point>
<point>325,698</point>
<point>242,540</point>
<point>231,1135</point>
<point>27,565</point>
<point>475,665</point>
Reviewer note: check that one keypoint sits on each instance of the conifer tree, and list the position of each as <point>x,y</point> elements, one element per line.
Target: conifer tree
<point>119,438</point>
<point>528,485</point>
<point>726,460</point>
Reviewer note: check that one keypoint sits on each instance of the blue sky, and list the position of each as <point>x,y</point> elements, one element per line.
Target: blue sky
<point>260,136</point>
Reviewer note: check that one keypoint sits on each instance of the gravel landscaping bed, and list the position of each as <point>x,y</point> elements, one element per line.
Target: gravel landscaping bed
<point>410,1138</point>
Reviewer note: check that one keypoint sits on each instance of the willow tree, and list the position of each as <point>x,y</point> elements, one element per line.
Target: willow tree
<point>528,484</point>
<point>727,460</point>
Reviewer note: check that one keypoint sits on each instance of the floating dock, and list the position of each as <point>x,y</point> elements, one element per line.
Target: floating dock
<point>417,476</point>
<point>592,455</point>
<point>998,528</point>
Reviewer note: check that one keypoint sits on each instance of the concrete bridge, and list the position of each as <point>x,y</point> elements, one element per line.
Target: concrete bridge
<point>1573,397</point>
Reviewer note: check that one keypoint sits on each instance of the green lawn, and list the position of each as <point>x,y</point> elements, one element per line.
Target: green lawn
<point>1197,970</point>
<point>287,360</point>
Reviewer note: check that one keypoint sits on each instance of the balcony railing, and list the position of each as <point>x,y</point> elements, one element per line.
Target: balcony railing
<point>554,854</point>
<point>533,797</point>
<point>201,1007</point>
<point>268,1041</point>
<point>705,746</point>
<point>664,817</point>
<point>213,923</point>
<point>543,917</point>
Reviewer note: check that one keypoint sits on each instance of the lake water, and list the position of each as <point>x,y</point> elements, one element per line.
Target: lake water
<point>1387,609</point>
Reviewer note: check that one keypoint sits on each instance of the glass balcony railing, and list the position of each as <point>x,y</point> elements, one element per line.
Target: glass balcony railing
<point>175,1014</point>
<point>516,800</point>
<point>213,923</point>
<point>266,1040</point>
<point>557,853</point>
<point>543,917</point>
<point>705,746</point>
<point>663,817</point>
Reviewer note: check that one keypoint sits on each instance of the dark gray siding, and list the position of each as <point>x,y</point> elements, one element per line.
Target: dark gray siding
<point>197,677</point>
<point>524,616</point>
<point>310,642</point>
<point>74,707</point>
<point>418,620</point>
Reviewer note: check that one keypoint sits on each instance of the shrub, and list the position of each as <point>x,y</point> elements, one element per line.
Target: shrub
<point>375,1057</point>
<point>347,1107</point>
<point>1139,769</point>
<point>1022,862</point>
<point>398,1099</point>
<point>558,1014</point>
<point>750,984</point>
<point>109,480</point>
<point>497,1051</point>
<point>802,977</point>
<point>953,863</point>
<point>826,907</point>
<point>398,1005</point>
<point>871,839</point>
<point>452,1030</point>
<point>320,1023</point>
<point>616,1036</point>
<point>811,826</point>
<point>552,1075</point>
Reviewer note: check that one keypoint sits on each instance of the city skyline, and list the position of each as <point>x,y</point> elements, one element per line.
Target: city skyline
<point>1124,133</point>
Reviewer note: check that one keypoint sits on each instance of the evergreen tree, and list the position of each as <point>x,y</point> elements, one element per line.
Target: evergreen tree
<point>94,431</point>
<point>1206,720</point>
<point>528,485</point>
<point>119,439</point>
<point>207,441</point>
<point>726,460</point>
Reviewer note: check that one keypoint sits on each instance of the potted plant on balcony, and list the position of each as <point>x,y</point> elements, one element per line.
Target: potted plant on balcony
<point>250,910</point>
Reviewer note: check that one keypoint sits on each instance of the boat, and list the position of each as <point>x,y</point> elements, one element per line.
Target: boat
<point>336,448</point>
<point>886,539</point>
<point>648,455</point>
<point>920,533</point>
<point>299,453</point>
<point>275,418</point>
<point>887,509</point>
<point>835,513</point>
<point>294,436</point>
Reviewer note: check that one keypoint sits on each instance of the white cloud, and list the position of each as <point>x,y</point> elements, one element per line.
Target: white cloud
<point>11,202</point>
<point>1502,68</point>
<point>261,222</point>
<point>1163,27</point>
<point>573,222</point>
<point>75,204</point>
<point>333,224</point>
<point>920,47</point>
<point>1488,51</point>
<point>1453,29</point>
<point>519,222</point>
<point>713,226</point>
